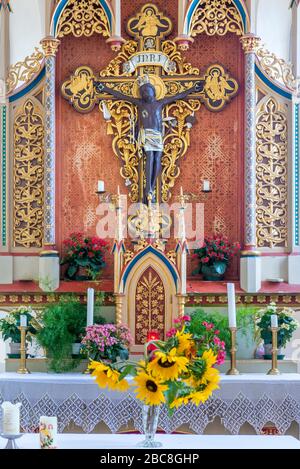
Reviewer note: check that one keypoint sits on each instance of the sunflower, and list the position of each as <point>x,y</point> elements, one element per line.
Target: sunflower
<point>209,357</point>
<point>185,342</point>
<point>199,397</point>
<point>168,366</point>
<point>183,400</point>
<point>108,377</point>
<point>210,374</point>
<point>149,389</point>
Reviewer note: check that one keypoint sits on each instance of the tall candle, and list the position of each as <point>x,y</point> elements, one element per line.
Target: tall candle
<point>48,432</point>
<point>100,186</point>
<point>274,320</point>
<point>23,320</point>
<point>90,307</point>
<point>231,305</point>
<point>206,186</point>
<point>11,418</point>
<point>118,18</point>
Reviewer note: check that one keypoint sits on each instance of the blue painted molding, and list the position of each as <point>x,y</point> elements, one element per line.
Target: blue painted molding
<point>158,254</point>
<point>241,8</point>
<point>266,80</point>
<point>60,7</point>
<point>29,87</point>
<point>296,178</point>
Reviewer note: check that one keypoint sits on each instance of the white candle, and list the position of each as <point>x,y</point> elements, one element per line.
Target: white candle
<point>23,320</point>
<point>100,186</point>
<point>231,305</point>
<point>274,320</point>
<point>206,186</point>
<point>118,18</point>
<point>48,432</point>
<point>11,418</point>
<point>90,307</point>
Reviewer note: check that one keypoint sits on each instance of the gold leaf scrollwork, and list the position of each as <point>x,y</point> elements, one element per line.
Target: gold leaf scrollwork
<point>150,305</point>
<point>83,18</point>
<point>271,174</point>
<point>79,89</point>
<point>115,66</point>
<point>176,142</point>
<point>216,17</point>
<point>23,71</point>
<point>28,176</point>
<point>276,68</point>
<point>182,67</point>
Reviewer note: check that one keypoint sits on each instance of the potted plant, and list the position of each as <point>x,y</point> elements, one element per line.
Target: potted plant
<point>214,256</point>
<point>63,325</point>
<point>287,324</point>
<point>83,256</point>
<point>107,342</point>
<point>9,327</point>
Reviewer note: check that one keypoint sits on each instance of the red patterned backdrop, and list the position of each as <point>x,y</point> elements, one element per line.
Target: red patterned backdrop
<point>84,152</point>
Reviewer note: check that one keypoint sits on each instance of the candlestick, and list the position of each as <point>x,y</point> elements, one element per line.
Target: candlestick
<point>23,370</point>
<point>274,370</point>
<point>90,307</point>
<point>231,305</point>
<point>11,418</point>
<point>233,369</point>
<point>206,186</point>
<point>101,186</point>
<point>48,432</point>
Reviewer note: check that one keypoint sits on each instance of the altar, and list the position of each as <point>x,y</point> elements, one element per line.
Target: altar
<point>253,399</point>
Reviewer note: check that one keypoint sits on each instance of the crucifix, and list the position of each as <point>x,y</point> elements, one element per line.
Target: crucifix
<point>148,96</point>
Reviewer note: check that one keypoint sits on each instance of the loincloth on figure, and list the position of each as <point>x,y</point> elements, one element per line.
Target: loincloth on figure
<point>150,140</point>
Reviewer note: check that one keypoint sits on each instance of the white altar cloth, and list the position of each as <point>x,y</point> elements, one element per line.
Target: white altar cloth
<point>251,398</point>
<point>178,442</point>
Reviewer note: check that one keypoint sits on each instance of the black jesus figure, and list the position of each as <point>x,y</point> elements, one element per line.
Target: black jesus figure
<point>150,127</point>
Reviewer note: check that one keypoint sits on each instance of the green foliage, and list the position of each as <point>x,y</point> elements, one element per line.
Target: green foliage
<point>63,324</point>
<point>245,322</point>
<point>9,324</point>
<point>287,324</point>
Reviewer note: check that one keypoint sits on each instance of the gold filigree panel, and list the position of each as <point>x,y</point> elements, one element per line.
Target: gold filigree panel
<point>271,174</point>
<point>216,17</point>
<point>149,306</point>
<point>83,18</point>
<point>28,176</point>
<point>277,68</point>
<point>24,71</point>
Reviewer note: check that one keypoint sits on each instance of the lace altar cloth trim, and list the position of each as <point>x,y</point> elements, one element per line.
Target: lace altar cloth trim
<point>116,413</point>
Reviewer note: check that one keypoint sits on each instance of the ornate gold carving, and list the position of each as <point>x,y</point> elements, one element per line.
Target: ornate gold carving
<point>50,46</point>
<point>171,255</point>
<point>79,89</point>
<point>250,43</point>
<point>216,17</point>
<point>28,176</point>
<point>83,18</point>
<point>23,72</point>
<point>127,256</point>
<point>219,87</point>
<point>276,68</point>
<point>149,24</point>
<point>115,66</point>
<point>271,174</point>
<point>150,305</point>
<point>176,142</point>
<point>170,48</point>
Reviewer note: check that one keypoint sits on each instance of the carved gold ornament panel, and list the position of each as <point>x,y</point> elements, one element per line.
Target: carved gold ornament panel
<point>216,17</point>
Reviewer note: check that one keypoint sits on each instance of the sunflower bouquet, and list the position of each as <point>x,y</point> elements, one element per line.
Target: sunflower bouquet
<point>176,373</point>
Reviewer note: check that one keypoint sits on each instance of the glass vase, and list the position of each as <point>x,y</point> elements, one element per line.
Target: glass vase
<point>150,421</point>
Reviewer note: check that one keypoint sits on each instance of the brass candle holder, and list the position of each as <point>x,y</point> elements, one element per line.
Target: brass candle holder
<point>23,370</point>
<point>233,369</point>
<point>274,370</point>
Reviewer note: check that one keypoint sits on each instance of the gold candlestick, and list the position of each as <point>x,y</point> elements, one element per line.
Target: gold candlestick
<point>233,369</point>
<point>23,370</point>
<point>274,370</point>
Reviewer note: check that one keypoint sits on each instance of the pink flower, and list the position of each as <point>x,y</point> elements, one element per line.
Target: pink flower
<point>171,332</point>
<point>217,332</point>
<point>177,321</point>
<point>186,318</point>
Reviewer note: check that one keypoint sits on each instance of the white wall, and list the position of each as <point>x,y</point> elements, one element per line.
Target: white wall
<point>273,25</point>
<point>27,27</point>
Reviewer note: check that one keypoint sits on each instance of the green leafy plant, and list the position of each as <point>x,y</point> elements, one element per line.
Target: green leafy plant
<point>215,252</point>
<point>62,325</point>
<point>10,323</point>
<point>287,324</point>
<point>245,321</point>
<point>83,253</point>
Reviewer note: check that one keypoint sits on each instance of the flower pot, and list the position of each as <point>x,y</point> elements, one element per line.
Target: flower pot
<point>14,350</point>
<point>214,272</point>
<point>76,348</point>
<point>150,421</point>
<point>268,352</point>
